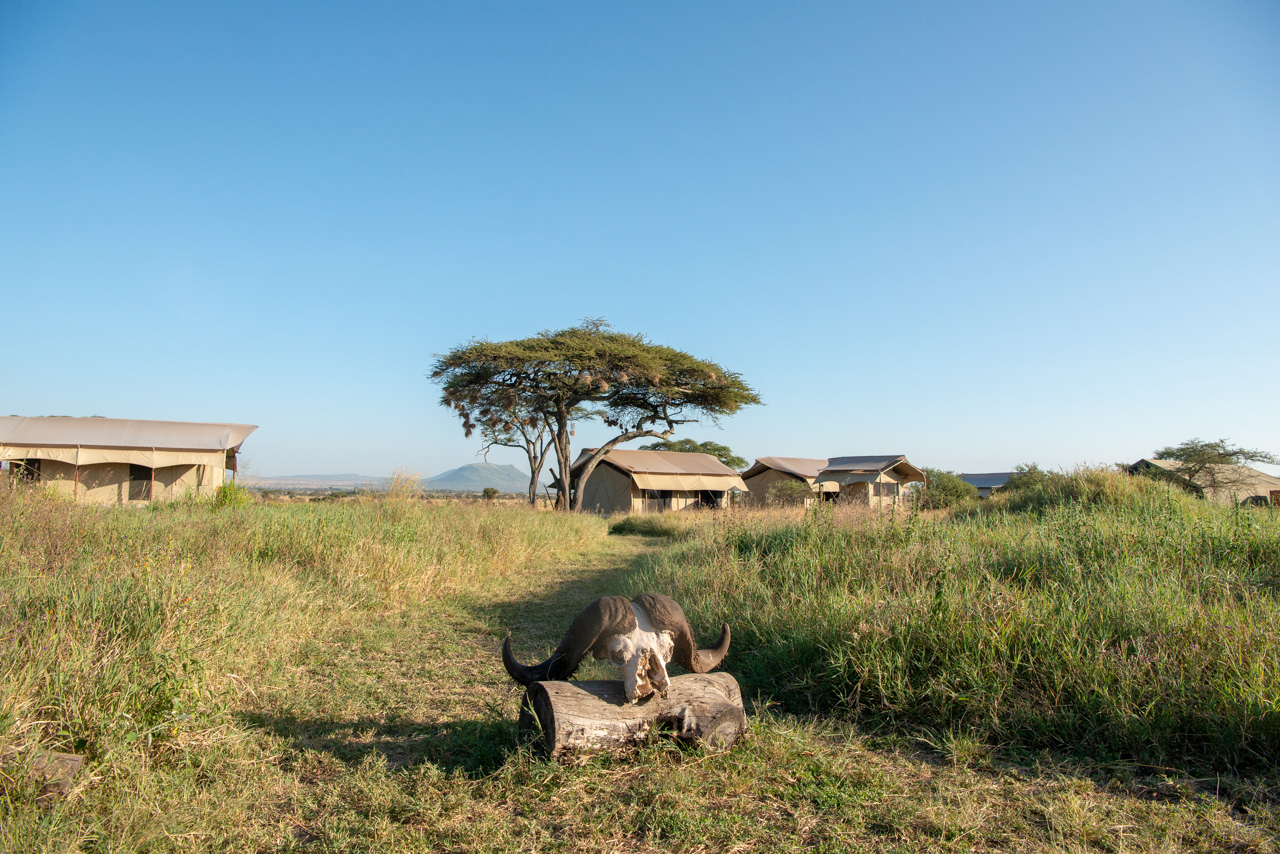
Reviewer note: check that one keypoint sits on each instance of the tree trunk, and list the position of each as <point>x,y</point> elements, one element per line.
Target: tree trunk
<point>595,459</point>
<point>565,718</point>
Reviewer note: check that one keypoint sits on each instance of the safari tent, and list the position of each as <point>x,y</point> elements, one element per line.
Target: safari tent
<point>767,472</point>
<point>987,482</point>
<point>118,461</point>
<point>1238,484</point>
<point>654,481</point>
<point>871,480</point>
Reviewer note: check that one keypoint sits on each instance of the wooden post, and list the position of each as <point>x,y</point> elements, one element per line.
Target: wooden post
<point>585,717</point>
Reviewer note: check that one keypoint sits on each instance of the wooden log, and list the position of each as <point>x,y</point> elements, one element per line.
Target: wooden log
<point>587,717</point>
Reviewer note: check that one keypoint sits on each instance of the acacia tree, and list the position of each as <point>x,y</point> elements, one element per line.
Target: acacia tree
<point>510,420</point>
<point>687,446</point>
<point>642,389</point>
<point>1211,467</point>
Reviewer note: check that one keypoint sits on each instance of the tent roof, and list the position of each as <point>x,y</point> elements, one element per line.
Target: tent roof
<point>659,462</point>
<point>844,469</point>
<point>873,463</point>
<point>835,468</point>
<point>988,480</point>
<point>121,433</point>
<point>804,467</point>
<point>1246,477</point>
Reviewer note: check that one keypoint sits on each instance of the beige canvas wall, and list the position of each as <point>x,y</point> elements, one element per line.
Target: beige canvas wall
<point>883,501</point>
<point>759,485</point>
<point>607,491</point>
<point>108,483</point>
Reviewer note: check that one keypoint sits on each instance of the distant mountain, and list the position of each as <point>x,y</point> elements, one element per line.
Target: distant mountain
<point>476,476</point>
<point>469,478</point>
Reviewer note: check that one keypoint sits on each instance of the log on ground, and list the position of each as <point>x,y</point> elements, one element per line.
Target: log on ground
<point>592,716</point>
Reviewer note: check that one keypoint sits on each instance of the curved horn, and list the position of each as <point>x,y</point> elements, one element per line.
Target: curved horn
<point>598,621</point>
<point>666,614</point>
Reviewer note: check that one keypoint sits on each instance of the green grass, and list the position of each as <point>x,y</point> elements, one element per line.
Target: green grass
<point>1123,622</point>
<point>325,677</point>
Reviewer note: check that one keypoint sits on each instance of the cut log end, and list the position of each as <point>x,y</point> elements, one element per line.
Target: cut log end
<point>573,718</point>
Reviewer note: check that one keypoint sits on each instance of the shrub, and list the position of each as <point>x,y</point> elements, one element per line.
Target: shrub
<point>232,495</point>
<point>490,493</point>
<point>789,493</point>
<point>670,525</point>
<point>943,490</point>
<point>1119,619</point>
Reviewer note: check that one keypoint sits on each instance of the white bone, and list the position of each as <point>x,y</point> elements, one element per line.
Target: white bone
<point>643,655</point>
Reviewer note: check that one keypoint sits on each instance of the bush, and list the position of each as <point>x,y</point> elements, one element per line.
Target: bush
<point>490,493</point>
<point>1120,618</point>
<point>232,495</point>
<point>789,493</point>
<point>943,490</point>
<point>670,525</point>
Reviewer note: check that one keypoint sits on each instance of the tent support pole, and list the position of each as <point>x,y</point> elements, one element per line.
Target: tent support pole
<point>75,489</point>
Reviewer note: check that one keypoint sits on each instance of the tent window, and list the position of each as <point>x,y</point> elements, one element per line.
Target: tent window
<point>886,490</point>
<point>657,500</point>
<point>139,483</point>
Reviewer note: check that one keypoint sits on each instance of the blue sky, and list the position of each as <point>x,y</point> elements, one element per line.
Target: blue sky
<point>977,234</point>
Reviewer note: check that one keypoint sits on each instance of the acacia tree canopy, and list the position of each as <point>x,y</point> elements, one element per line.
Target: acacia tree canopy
<point>1211,466</point>
<point>639,388</point>
<point>687,446</point>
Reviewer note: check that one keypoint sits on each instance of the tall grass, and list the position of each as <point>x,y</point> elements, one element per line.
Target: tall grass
<point>122,631</point>
<point>1103,614</point>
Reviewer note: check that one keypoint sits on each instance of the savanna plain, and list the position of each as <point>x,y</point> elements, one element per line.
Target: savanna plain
<point>1089,665</point>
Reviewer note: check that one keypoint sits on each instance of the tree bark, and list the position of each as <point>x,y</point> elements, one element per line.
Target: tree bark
<point>567,718</point>
<point>599,455</point>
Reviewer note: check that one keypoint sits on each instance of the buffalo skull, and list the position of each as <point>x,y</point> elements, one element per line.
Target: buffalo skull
<point>640,636</point>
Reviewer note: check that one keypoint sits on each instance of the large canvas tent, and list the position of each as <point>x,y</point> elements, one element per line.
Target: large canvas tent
<point>872,480</point>
<point>1237,483</point>
<point>649,481</point>
<point>767,472</point>
<point>116,461</point>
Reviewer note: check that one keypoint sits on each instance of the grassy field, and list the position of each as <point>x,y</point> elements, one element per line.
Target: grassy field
<point>1087,669</point>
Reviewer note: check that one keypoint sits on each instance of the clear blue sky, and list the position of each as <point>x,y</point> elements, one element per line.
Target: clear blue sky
<point>975,233</point>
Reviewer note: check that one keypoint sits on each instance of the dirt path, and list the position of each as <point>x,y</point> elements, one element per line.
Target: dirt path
<point>427,684</point>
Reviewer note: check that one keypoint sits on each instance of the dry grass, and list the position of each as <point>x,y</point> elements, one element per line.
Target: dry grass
<point>320,696</point>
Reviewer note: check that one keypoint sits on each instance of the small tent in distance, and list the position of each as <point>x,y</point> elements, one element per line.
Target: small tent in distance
<point>1231,484</point>
<point>987,482</point>
<point>874,481</point>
